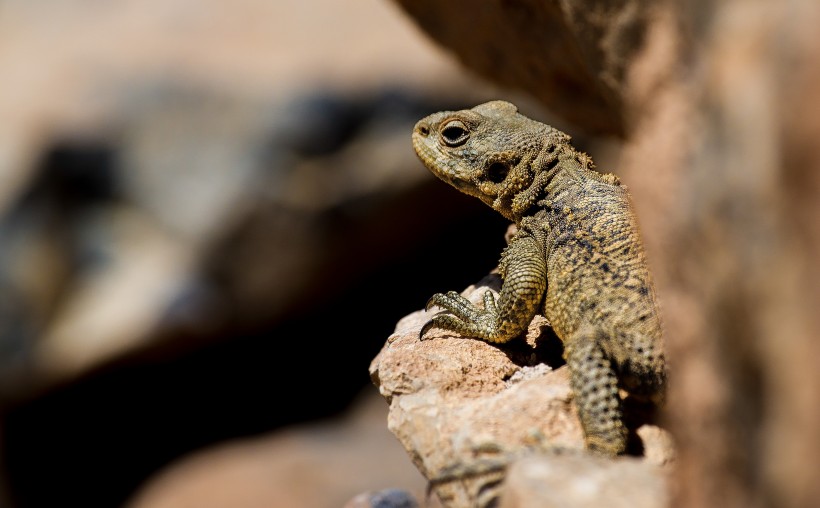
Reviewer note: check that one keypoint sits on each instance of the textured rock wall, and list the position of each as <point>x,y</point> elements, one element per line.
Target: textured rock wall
<point>746,234</point>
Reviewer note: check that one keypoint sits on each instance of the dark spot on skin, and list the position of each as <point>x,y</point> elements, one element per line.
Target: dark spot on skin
<point>605,267</point>
<point>583,242</point>
<point>643,290</point>
<point>551,164</point>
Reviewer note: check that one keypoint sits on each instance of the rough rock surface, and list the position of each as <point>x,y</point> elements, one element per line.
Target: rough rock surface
<point>458,402</point>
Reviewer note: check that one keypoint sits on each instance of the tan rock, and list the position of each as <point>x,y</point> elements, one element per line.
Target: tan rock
<point>464,409</point>
<point>584,482</point>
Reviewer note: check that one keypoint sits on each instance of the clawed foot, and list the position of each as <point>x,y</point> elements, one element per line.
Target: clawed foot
<point>461,316</point>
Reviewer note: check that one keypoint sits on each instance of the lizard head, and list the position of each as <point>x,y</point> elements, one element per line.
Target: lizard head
<point>487,151</point>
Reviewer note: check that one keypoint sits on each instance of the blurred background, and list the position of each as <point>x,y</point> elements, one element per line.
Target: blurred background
<point>211,218</point>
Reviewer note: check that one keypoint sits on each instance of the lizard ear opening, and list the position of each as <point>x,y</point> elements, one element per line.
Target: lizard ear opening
<point>497,172</point>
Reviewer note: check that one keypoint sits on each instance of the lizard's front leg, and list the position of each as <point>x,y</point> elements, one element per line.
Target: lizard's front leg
<point>524,272</point>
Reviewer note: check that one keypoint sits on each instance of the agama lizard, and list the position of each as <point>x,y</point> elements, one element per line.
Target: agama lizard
<point>577,257</point>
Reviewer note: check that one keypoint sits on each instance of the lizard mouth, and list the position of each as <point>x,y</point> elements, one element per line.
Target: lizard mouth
<point>424,152</point>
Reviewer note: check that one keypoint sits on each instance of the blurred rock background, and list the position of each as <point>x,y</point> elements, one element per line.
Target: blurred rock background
<point>211,219</point>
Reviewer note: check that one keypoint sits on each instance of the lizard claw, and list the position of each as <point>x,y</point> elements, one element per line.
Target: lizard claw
<point>433,301</point>
<point>426,328</point>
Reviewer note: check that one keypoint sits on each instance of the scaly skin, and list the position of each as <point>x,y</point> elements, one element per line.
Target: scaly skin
<point>577,257</point>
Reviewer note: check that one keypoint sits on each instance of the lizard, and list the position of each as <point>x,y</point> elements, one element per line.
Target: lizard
<point>577,258</point>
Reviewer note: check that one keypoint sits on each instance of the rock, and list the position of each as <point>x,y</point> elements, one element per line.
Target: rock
<point>574,57</point>
<point>464,408</point>
<point>584,482</point>
<point>388,498</point>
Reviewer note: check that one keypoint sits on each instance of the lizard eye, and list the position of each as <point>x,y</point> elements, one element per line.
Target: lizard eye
<point>497,172</point>
<point>454,133</point>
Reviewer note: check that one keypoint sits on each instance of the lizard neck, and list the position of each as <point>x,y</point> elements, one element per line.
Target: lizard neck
<point>560,170</point>
<point>570,171</point>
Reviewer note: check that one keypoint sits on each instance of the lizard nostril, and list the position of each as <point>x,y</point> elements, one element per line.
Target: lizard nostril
<point>423,129</point>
